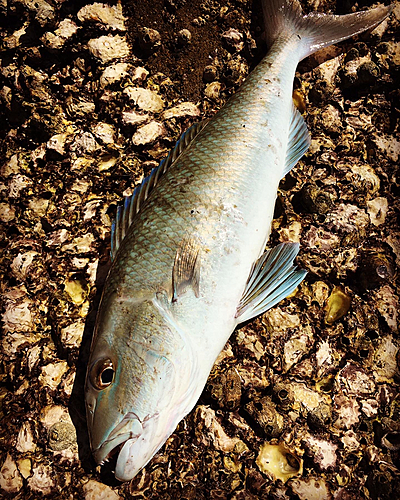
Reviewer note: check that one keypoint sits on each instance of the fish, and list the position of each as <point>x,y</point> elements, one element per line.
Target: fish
<point>188,248</point>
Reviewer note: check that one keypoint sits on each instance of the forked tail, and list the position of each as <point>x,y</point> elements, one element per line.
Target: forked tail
<point>316,30</point>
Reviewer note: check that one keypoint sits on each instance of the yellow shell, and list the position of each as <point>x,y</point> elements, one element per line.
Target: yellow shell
<point>337,307</point>
<point>277,461</point>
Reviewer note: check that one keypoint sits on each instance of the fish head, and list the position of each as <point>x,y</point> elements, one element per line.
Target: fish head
<point>137,387</point>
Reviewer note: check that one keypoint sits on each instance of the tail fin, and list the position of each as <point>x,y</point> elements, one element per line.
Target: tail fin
<point>317,30</point>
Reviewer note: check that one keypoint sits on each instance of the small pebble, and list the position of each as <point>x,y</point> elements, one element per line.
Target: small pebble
<point>184,37</point>
<point>149,39</point>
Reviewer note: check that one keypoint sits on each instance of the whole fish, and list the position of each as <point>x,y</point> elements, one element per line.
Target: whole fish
<point>188,248</point>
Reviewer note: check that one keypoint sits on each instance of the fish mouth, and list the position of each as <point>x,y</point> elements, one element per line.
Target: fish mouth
<point>109,449</point>
<point>134,441</point>
<point>129,429</point>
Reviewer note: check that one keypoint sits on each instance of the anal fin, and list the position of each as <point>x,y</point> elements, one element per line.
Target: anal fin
<point>273,278</point>
<point>186,270</point>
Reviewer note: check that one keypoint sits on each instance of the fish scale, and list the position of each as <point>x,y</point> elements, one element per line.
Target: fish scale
<point>190,264</point>
<point>207,175</point>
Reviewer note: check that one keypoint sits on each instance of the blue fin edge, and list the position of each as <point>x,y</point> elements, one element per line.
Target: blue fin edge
<point>298,140</point>
<point>273,278</point>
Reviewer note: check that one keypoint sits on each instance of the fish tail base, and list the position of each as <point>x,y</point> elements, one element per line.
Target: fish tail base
<point>316,31</point>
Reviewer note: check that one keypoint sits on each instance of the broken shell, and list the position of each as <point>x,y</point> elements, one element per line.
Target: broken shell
<point>311,488</point>
<point>299,101</point>
<point>279,462</point>
<point>391,440</point>
<point>318,418</point>
<point>109,16</point>
<point>325,384</point>
<point>213,91</point>
<point>148,133</point>
<point>377,210</point>
<point>337,307</point>
<point>343,476</point>
<point>145,99</point>
<point>10,478</point>
<point>25,467</point>
<point>108,47</point>
<point>42,481</point>
<point>95,490</point>
<point>234,39</point>
<point>76,289</point>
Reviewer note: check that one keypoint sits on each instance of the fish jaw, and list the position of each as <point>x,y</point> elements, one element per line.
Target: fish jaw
<point>135,442</point>
<point>137,451</point>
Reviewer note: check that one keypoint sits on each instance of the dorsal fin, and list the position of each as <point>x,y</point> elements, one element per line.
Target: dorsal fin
<point>298,140</point>
<point>133,203</point>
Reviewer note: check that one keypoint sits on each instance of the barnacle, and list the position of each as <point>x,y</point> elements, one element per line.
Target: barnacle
<point>235,71</point>
<point>225,388</point>
<point>264,413</point>
<point>234,39</point>
<point>376,268</point>
<point>184,37</point>
<point>210,73</point>
<point>279,462</point>
<point>315,199</point>
<point>62,435</point>
<point>149,39</point>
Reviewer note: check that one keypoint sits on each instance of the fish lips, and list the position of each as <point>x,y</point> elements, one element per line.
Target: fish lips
<point>130,428</point>
<point>136,443</point>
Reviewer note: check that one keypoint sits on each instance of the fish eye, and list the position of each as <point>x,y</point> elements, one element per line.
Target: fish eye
<point>102,374</point>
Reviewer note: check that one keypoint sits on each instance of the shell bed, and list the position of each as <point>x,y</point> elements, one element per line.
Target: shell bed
<point>91,98</point>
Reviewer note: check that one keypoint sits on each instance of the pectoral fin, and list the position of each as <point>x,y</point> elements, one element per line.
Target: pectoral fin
<point>186,270</point>
<point>298,140</point>
<point>273,278</point>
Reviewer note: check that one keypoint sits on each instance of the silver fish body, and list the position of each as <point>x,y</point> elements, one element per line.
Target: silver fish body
<point>174,293</point>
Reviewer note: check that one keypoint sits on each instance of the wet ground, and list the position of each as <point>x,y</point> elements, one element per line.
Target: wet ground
<point>92,97</point>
